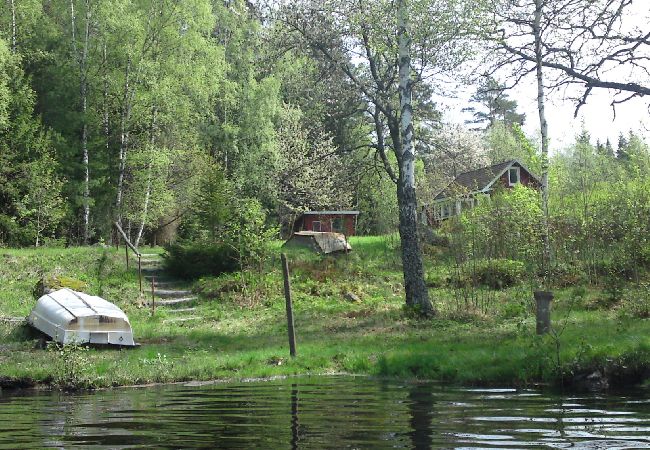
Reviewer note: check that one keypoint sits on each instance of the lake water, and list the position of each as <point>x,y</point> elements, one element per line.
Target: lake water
<point>324,412</point>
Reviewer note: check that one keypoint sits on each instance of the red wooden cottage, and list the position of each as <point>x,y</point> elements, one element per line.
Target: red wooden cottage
<point>464,191</point>
<point>337,221</point>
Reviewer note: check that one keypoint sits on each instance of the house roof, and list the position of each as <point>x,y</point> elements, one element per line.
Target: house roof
<point>478,180</point>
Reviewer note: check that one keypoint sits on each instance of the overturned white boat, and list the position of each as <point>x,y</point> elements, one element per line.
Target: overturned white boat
<point>69,317</point>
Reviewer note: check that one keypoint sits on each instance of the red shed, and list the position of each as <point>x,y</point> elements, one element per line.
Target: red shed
<point>337,221</point>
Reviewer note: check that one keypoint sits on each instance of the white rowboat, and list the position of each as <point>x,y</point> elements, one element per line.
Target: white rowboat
<point>69,317</point>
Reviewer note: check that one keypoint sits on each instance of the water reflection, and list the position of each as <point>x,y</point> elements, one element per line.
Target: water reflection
<point>421,408</point>
<point>323,412</point>
<point>295,437</point>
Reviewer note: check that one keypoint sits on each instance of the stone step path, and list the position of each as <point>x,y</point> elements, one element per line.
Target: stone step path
<point>181,310</point>
<point>182,319</point>
<point>168,295</point>
<point>174,301</point>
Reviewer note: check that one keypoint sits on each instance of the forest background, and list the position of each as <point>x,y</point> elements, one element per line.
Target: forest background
<point>223,119</point>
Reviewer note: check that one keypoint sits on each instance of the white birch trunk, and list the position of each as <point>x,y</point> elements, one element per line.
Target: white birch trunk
<point>105,118</point>
<point>83,91</point>
<point>537,31</point>
<point>124,142</point>
<point>14,32</point>
<point>147,195</point>
<point>415,287</point>
<point>83,66</point>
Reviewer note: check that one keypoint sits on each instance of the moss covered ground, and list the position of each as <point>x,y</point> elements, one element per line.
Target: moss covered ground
<point>481,336</point>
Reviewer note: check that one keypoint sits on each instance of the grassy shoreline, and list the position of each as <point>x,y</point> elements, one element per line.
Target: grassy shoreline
<point>242,333</point>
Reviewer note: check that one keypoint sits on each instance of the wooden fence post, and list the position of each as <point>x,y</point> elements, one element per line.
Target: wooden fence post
<point>543,301</point>
<point>126,253</point>
<point>287,296</point>
<point>140,273</point>
<point>153,296</point>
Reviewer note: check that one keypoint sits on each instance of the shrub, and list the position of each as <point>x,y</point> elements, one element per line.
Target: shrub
<point>193,260</point>
<point>72,366</point>
<point>493,273</point>
<point>435,237</point>
<point>635,302</point>
<point>437,278</point>
<point>614,274</point>
<point>567,275</point>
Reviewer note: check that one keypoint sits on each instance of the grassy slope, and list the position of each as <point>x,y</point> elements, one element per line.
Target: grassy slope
<point>243,333</point>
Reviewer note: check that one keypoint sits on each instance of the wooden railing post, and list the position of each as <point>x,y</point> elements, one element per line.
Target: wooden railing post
<point>140,272</point>
<point>287,296</point>
<point>153,295</point>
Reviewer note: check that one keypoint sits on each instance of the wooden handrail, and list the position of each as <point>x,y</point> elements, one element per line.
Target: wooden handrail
<point>126,239</point>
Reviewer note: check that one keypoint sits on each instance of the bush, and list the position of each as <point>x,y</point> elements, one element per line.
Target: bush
<point>567,275</point>
<point>635,303</point>
<point>437,278</point>
<point>493,273</point>
<point>194,260</point>
<point>435,237</point>
<point>614,274</point>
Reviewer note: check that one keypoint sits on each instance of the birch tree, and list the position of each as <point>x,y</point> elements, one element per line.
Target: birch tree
<point>386,50</point>
<point>586,44</point>
<point>80,55</point>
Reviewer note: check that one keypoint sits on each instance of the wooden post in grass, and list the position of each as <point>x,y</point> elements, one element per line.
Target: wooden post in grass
<point>153,295</point>
<point>543,302</point>
<point>140,273</point>
<point>287,296</point>
<point>126,254</point>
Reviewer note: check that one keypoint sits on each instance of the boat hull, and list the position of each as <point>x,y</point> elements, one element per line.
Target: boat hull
<point>74,317</point>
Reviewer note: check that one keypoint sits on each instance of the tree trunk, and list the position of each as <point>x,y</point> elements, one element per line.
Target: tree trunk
<point>83,66</point>
<point>82,61</point>
<point>416,291</point>
<point>14,38</point>
<point>147,195</point>
<point>105,116</point>
<point>124,142</point>
<point>537,31</point>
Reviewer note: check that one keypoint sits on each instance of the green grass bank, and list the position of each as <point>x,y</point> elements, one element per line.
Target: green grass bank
<point>479,337</point>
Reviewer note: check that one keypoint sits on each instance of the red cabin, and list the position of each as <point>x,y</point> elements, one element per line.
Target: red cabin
<point>333,221</point>
<point>465,190</point>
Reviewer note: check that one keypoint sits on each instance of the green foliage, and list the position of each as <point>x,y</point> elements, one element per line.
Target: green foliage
<point>193,260</point>
<point>71,366</point>
<point>491,95</point>
<point>220,220</point>
<point>499,273</point>
<point>635,302</point>
<point>506,225</point>
<point>493,273</point>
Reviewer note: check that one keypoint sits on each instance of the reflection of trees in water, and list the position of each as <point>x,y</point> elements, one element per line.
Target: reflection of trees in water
<point>54,419</point>
<point>421,400</point>
<point>64,418</point>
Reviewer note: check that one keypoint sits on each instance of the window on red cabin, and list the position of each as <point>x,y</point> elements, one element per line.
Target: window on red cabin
<point>337,225</point>
<point>315,225</point>
<point>513,176</point>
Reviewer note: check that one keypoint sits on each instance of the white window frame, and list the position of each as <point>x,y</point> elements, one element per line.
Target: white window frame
<point>313,225</point>
<point>517,169</point>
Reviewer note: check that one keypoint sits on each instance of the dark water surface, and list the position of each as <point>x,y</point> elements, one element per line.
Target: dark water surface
<point>324,412</point>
